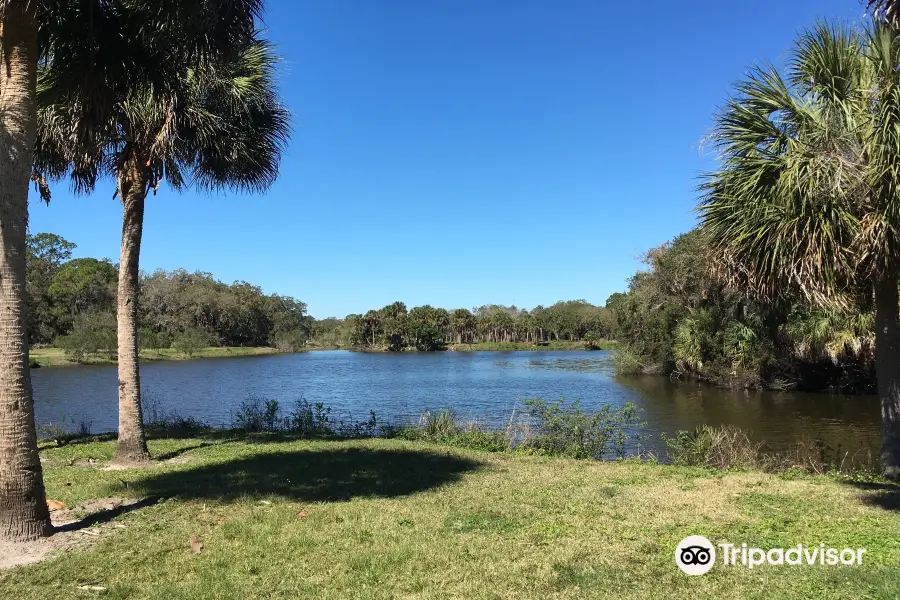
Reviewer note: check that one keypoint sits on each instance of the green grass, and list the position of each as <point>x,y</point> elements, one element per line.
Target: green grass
<point>396,519</point>
<point>512,346</point>
<point>56,357</point>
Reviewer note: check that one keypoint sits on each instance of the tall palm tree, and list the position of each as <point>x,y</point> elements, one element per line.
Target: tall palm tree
<point>220,125</point>
<point>100,49</point>
<point>23,507</point>
<point>807,199</point>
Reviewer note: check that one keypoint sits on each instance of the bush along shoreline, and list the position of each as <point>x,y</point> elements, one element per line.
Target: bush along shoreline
<point>539,428</point>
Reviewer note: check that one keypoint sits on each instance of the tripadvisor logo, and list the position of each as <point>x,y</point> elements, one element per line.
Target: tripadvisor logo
<point>696,555</point>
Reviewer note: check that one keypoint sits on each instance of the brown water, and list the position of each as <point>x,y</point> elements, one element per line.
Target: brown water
<point>484,386</point>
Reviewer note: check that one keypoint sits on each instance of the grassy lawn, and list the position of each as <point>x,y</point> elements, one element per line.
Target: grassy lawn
<point>56,357</point>
<point>392,519</point>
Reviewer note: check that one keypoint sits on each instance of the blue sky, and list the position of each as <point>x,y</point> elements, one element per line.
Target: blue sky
<point>465,152</point>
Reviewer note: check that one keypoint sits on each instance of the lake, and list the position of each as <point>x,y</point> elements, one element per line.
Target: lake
<point>482,386</point>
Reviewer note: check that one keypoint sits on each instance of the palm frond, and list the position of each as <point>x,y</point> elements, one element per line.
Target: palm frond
<point>806,196</point>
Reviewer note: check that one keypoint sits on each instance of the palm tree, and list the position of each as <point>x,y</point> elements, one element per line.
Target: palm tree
<point>23,507</point>
<point>220,125</point>
<point>104,47</point>
<point>806,200</point>
<point>889,10</point>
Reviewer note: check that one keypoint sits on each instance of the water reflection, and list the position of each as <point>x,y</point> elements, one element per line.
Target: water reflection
<point>780,419</point>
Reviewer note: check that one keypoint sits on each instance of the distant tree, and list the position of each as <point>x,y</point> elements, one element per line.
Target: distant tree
<point>46,253</point>
<point>82,285</point>
<point>154,340</point>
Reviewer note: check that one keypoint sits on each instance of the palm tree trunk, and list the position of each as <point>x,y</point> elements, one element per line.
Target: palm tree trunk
<point>23,505</point>
<point>887,369</point>
<point>132,444</point>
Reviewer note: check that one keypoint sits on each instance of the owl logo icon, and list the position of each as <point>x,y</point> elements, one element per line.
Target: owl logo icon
<point>695,555</point>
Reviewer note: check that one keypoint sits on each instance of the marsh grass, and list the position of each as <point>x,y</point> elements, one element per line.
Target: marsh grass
<point>730,448</point>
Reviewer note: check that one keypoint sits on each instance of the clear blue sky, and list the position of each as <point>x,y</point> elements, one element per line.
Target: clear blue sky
<point>464,152</point>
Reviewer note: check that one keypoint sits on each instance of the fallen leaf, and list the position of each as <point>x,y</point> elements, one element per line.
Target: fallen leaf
<point>303,513</point>
<point>196,545</point>
<point>56,505</point>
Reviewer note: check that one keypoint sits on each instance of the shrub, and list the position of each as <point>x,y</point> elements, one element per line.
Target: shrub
<point>92,334</point>
<point>290,341</point>
<point>258,414</point>
<point>191,340</point>
<point>568,430</point>
<point>445,428</point>
<point>310,419</point>
<point>153,340</point>
<point>713,447</point>
<point>627,362</point>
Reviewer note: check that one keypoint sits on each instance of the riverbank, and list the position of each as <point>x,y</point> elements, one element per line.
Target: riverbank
<point>375,518</point>
<point>521,346</point>
<point>56,357</point>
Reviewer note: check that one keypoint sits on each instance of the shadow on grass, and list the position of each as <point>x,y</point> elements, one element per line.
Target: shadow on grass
<point>104,516</point>
<point>882,495</point>
<point>308,475</point>
<point>176,453</point>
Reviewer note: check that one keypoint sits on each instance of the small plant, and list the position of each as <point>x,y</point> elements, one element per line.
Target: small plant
<point>439,427</point>
<point>309,419</point>
<point>568,430</point>
<point>258,415</point>
<point>713,447</point>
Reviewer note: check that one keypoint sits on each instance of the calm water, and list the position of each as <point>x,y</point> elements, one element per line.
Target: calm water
<point>485,386</point>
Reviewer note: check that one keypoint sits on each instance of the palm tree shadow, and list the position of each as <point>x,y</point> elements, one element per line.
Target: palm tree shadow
<point>104,516</point>
<point>313,476</point>
<point>882,495</point>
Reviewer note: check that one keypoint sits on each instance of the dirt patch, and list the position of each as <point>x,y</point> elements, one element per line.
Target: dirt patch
<point>77,528</point>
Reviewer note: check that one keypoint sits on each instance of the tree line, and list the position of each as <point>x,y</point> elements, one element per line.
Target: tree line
<point>681,317</point>
<point>395,328</point>
<point>73,304</point>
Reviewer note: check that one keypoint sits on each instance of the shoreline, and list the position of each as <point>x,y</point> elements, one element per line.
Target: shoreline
<point>52,357</point>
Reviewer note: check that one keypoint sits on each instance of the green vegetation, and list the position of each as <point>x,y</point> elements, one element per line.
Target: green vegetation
<point>73,307</point>
<point>681,317</point>
<point>494,327</point>
<point>805,202</point>
<point>392,518</point>
<point>58,357</point>
<point>73,304</point>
